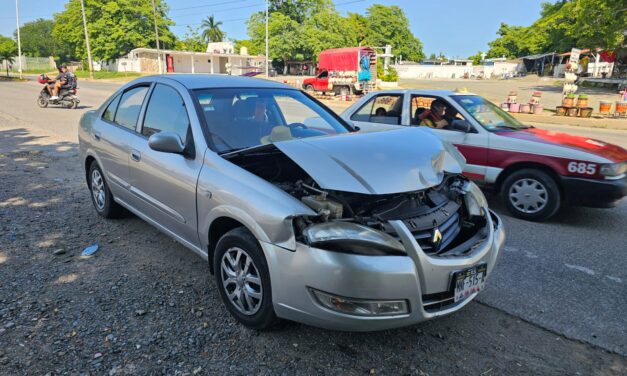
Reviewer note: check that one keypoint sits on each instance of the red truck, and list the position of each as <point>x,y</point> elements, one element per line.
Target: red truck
<point>344,71</point>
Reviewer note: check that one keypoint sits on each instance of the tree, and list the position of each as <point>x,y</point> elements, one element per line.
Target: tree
<point>323,30</point>
<point>284,35</point>
<point>8,50</point>
<point>191,41</point>
<point>476,58</point>
<point>115,27</point>
<point>389,25</point>
<point>356,29</point>
<point>299,10</point>
<point>601,23</point>
<point>211,30</point>
<point>35,38</point>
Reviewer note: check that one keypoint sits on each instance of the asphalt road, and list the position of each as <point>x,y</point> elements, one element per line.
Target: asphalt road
<point>568,275</point>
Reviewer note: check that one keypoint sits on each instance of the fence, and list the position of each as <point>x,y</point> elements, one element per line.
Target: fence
<point>44,64</point>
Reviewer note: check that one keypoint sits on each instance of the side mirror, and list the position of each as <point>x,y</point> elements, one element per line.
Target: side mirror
<point>461,125</point>
<point>166,142</point>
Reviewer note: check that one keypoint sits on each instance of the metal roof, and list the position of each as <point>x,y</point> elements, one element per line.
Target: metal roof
<point>210,81</point>
<point>438,93</point>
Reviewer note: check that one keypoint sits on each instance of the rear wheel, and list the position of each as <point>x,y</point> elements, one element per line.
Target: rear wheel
<point>531,194</point>
<point>101,196</point>
<point>42,102</point>
<point>243,279</point>
<point>75,104</point>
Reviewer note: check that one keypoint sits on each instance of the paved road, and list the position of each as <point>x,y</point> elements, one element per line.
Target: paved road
<point>568,275</point>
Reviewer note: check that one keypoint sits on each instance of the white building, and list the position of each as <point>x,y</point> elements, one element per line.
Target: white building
<point>219,59</point>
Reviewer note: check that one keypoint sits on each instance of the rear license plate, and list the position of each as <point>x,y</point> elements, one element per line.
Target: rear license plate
<point>469,281</point>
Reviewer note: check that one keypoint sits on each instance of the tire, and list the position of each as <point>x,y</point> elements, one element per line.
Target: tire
<point>309,88</point>
<point>42,102</point>
<point>531,194</point>
<point>75,104</point>
<point>253,306</point>
<point>101,196</point>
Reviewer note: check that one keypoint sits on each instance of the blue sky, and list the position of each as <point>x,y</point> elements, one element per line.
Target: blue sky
<point>453,27</point>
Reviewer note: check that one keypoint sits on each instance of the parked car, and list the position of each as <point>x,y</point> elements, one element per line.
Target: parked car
<point>536,171</point>
<point>299,216</point>
<point>344,71</point>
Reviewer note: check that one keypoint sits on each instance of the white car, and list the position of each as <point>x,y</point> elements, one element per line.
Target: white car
<point>536,171</point>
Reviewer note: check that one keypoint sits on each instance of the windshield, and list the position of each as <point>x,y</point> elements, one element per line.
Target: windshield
<point>243,118</point>
<point>487,113</point>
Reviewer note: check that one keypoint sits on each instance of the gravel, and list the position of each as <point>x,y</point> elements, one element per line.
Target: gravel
<point>144,305</point>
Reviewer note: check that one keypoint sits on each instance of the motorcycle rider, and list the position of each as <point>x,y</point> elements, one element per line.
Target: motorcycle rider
<point>60,82</point>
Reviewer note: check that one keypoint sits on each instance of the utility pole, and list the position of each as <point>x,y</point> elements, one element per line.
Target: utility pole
<point>90,62</point>
<point>267,57</point>
<point>19,45</point>
<point>154,13</point>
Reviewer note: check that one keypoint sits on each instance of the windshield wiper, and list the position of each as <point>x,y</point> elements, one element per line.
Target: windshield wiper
<point>514,127</point>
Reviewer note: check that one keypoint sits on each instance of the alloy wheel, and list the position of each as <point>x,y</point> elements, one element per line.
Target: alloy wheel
<point>528,195</point>
<point>98,189</point>
<point>241,281</point>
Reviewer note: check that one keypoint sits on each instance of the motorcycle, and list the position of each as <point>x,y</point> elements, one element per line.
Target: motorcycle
<point>67,96</point>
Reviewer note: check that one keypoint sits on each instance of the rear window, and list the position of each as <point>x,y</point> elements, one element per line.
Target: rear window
<point>130,105</point>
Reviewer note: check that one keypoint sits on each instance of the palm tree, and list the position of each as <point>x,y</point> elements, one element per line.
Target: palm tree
<point>8,59</point>
<point>211,30</point>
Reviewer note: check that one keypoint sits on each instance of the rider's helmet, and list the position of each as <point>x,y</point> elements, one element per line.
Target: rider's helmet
<point>42,79</point>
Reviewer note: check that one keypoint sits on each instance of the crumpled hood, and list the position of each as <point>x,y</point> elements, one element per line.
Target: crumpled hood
<point>394,161</point>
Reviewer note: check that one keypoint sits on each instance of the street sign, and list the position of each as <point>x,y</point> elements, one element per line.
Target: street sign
<point>574,56</point>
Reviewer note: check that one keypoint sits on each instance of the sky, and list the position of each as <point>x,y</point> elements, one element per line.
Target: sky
<point>456,28</point>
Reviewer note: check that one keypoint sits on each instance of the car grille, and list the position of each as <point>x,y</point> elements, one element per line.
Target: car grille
<point>446,220</point>
<point>438,301</point>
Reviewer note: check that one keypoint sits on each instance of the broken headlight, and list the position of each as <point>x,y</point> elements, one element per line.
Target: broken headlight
<point>476,202</point>
<point>350,237</point>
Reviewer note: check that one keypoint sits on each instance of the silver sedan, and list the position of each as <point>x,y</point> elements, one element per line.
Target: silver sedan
<point>298,214</point>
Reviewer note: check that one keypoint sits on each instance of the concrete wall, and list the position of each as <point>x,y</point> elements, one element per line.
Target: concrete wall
<point>419,71</point>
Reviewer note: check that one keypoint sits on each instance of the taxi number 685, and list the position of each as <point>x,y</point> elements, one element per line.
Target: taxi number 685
<point>582,168</point>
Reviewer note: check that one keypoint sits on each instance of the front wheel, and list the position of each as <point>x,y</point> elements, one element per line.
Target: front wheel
<point>42,102</point>
<point>243,279</point>
<point>309,88</point>
<point>531,194</point>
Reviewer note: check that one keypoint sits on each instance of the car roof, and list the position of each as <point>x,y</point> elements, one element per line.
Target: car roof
<point>440,93</point>
<point>207,81</point>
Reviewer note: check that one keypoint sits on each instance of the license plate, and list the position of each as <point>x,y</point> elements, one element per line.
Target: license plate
<point>469,281</point>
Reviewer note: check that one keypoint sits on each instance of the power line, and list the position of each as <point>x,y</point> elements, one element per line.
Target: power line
<point>221,10</point>
<point>209,5</point>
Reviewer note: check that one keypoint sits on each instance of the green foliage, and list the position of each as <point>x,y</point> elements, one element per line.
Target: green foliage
<point>562,26</point>
<point>389,25</point>
<point>8,49</point>
<point>392,75</point>
<point>211,30</point>
<point>301,29</point>
<point>115,27</point>
<point>299,10</point>
<point>192,41</point>
<point>476,58</point>
<point>36,41</point>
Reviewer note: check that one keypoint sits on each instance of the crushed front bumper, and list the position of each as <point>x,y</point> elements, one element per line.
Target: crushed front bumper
<point>416,278</point>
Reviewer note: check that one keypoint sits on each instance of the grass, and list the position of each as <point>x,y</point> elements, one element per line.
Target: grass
<point>106,75</point>
<point>10,78</point>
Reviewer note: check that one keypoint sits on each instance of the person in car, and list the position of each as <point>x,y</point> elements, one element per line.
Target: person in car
<point>434,117</point>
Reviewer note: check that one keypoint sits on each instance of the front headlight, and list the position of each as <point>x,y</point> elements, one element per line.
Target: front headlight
<point>350,237</point>
<point>613,170</point>
<point>476,202</point>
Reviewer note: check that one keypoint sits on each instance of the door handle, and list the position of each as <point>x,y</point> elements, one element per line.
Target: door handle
<point>135,155</point>
<point>97,136</point>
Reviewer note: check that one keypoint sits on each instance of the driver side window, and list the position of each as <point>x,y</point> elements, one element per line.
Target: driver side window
<point>324,74</point>
<point>444,116</point>
<point>385,109</point>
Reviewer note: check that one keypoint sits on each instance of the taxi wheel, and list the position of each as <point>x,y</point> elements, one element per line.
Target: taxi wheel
<point>531,194</point>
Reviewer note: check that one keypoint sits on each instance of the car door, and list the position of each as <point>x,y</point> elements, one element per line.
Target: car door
<point>322,81</point>
<point>165,183</point>
<point>112,135</point>
<point>473,144</point>
<point>380,112</point>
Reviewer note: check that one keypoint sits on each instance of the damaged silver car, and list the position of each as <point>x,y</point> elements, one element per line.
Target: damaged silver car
<point>300,216</point>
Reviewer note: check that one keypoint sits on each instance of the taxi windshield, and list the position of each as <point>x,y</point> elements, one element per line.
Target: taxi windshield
<point>489,115</point>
